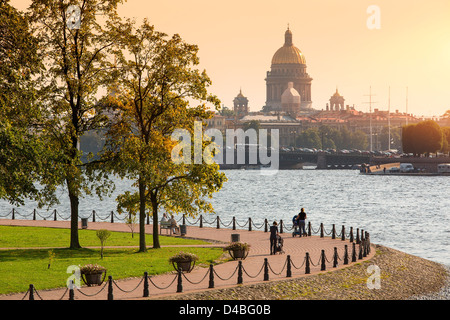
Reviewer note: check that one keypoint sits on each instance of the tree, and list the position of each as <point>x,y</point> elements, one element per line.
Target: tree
<point>23,155</point>
<point>102,235</point>
<point>75,50</point>
<point>423,137</point>
<point>309,138</point>
<point>156,82</point>
<point>429,137</point>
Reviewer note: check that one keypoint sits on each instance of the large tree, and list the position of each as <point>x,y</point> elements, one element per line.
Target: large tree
<point>74,45</point>
<point>423,137</point>
<point>157,83</point>
<point>23,155</point>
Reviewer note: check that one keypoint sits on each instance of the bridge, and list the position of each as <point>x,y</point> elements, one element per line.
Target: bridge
<point>298,159</point>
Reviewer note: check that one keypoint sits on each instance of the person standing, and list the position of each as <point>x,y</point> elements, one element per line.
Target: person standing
<point>301,222</point>
<point>273,237</point>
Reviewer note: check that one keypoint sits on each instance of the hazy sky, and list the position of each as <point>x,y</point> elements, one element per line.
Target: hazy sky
<point>237,40</point>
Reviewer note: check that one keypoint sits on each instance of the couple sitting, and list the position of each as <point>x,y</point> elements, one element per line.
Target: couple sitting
<point>173,224</point>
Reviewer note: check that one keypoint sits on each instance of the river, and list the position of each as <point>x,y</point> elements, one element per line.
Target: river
<point>407,213</point>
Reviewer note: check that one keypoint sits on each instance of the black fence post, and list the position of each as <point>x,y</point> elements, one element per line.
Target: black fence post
<point>54,218</point>
<point>218,222</point>
<point>34,214</point>
<point>353,252</point>
<point>71,291</point>
<point>281,226</point>
<point>343,233</point>
<point>309,228</point>
<point>13,214</point>
<point>321,230</point>
<point>31,290</point>
<point>322,258</point>
<point>368,242</point>
<point>239,280</point>
<point>346,255</point>
<point>110,288</point>
<point>360,255</point>
<point>234,223</point>
<point>333,232</point>
<point>184,218</point>
<point>364,248</point>
<point>351,234</point>
<point>211,276</point>
<point>93,215</point>
<point>266,270</point>
<point>201,221</point>
<point>180,281</point>
<point>146,291</point>
<point>249,224</point>
<point>288,267</point>
<point>266,225</point>
<point>112,216</point>
<point>307,266</point>
<point>335,258</point>
<point>357,235</point>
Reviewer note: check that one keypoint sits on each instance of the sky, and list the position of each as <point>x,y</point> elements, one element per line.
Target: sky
<point>357,46</point>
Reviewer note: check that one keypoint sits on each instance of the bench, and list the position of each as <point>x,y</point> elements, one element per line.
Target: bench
<point>165,225</point>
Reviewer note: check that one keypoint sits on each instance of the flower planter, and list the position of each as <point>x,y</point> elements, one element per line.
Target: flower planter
<point>238,250</point>
<point>184,266</point>
<point>93,279</point>
<point>237,254</point>
<point>183,261</point>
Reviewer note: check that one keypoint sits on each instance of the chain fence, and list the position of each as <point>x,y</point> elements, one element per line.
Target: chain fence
<point>211,274</point>
<point>359,238</point>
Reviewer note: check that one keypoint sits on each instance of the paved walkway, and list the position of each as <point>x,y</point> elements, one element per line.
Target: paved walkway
<point>198,279</point>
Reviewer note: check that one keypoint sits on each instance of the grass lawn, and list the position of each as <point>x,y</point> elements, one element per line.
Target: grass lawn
<point>27,237</point>
<point>21,267</point>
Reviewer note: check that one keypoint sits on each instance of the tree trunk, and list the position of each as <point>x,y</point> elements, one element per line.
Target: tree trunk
<point>74,201</point>
<point>154,201</point>
<point>142,244</point>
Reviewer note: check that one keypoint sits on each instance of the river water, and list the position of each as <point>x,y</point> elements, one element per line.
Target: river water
<point>407,213</point>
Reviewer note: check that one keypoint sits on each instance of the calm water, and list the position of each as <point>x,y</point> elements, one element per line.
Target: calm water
<point>410,214</point>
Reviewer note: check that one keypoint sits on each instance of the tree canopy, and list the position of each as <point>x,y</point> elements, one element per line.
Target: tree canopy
<point>156,86</point>
<point>423,137</point>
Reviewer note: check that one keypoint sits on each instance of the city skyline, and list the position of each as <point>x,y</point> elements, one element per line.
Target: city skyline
<point>409,51</point>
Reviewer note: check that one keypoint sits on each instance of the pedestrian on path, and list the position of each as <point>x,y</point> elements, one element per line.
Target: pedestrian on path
<point>273,237</point>
<point>301,222</point>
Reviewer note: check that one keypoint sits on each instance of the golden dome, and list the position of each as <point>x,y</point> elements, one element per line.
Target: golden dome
<point>288,54</point>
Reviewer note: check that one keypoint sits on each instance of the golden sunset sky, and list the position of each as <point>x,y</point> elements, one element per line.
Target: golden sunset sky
<point>237,40</point>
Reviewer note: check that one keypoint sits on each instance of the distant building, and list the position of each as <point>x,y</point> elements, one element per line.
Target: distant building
<point>288,65</point>
<point>288,105</point>
<point>336,102</point>
<point>240,105</point>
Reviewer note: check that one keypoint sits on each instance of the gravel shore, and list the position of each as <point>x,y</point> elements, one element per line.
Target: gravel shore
<point>402,277</point>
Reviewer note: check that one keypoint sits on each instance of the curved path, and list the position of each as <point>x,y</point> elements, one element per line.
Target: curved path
<point>226,274</point>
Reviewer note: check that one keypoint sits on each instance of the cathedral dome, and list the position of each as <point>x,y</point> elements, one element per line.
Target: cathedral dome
<point>288,54</point>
